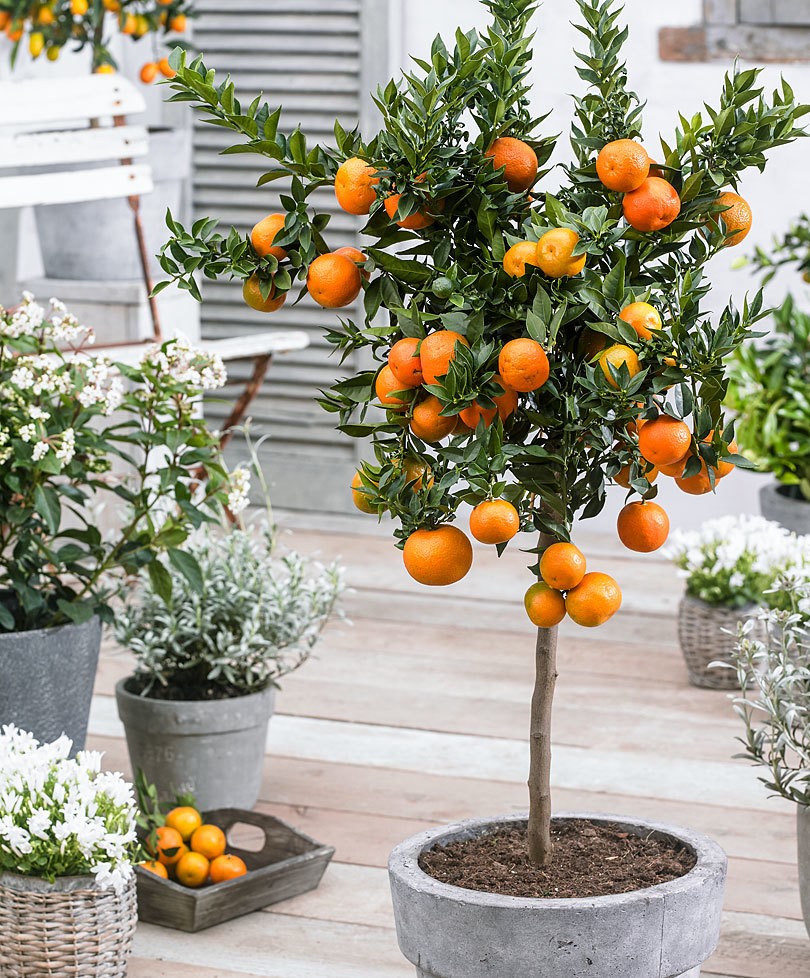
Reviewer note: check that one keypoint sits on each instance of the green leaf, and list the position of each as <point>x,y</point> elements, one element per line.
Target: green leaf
<point>161,580</point>
<point>188,565</point>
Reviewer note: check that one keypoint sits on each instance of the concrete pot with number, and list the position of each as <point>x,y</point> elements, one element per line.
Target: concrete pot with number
<point>46,680</point>
<point>95,240</point>
<point>212,749</point>
<point>664,931</point>
<point>787,506</point>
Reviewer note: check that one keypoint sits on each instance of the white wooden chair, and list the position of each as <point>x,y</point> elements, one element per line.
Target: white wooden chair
<point>66,122</point>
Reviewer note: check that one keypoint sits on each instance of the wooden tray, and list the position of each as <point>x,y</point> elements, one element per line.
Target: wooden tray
<point>290,863</point>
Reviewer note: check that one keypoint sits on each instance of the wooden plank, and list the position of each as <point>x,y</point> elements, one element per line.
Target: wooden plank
<point>75,146</point>
<point>30,105</point>
<point>76,185</point>
<point>756,946</point>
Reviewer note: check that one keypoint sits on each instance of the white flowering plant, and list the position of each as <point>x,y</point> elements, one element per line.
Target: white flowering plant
<point>256,618</point>
<point>79,432</point>
<point>773,671</point>
<point>735,560</point>
<point>63,816</point>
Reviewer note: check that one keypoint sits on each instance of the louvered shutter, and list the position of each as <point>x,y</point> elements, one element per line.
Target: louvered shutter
<point>307,55</point>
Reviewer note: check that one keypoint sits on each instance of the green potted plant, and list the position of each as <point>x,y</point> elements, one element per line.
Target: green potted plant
<point>209,662</point>
<point>96,238</point>
<point>79,432</point>
<point>770,393</point>
<point>730,565</point>
<point>67,847</point>
<point>773,671</point>
<point>533,346</point>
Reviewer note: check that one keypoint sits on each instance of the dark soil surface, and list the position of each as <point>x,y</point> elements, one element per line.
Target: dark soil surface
<point>183,691</point>
<point>590,859</point>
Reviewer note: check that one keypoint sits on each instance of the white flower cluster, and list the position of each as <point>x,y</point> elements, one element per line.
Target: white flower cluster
<point>737,559</point>
<point>61,816</point>
<point>186,364</point>
<point>102,385</point>
<point>31,319</point>
<point>239,490</point>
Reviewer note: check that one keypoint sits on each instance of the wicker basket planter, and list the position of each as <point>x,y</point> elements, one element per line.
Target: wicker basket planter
<point>67,929</point>
<point>703,631</point>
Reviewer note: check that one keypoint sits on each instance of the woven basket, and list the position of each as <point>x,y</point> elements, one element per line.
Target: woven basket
<point>703,630</point>
<point>67,929</point>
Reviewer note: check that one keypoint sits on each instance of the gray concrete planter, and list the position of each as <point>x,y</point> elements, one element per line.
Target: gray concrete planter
<point>46,680</point>
<point>213,749</point>
<point>95,240</point>
<point>792,512</point>
<point>803,836</point>
<point>661,932</point>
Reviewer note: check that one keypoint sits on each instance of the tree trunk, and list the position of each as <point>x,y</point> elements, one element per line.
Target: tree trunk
<point>539,831</point>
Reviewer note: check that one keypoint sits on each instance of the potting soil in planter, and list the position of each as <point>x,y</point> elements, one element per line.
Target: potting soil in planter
<point>588,860</point>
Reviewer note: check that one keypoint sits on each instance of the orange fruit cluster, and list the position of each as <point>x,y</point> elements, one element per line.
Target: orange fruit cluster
<point>567,588</point>
<point>553,254</point>
<point>191,852</point>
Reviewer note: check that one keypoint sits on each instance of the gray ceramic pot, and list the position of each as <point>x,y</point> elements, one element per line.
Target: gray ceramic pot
<point>803,835</point>
<point>778,504</point>
<point>661,932</point>
<point>95,240</point>
<point>46,680</point>
<point>213,749</point>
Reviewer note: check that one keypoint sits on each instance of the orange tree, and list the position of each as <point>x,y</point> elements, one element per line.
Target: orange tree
<point>532,346</point>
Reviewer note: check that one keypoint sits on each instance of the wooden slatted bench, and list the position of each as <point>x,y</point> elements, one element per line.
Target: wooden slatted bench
<point>68,123</point>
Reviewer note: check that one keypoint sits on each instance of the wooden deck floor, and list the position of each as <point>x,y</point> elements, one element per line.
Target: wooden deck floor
<point>416,714</point>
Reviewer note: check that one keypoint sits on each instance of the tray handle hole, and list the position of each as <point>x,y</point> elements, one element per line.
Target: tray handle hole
<point>249,838</point>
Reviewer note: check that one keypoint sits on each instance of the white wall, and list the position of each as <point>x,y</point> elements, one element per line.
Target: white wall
<point>776,196</point>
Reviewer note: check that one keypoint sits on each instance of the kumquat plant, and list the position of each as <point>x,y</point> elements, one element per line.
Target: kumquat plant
<point>539,334</point>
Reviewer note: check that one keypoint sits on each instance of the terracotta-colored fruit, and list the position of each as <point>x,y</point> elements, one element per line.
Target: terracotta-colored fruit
<point>737,218</point>
<point>562,566</point>
<point>519,161</point>
<point>170,846</point>
<point>494,521</point>
<point>555,253</point>
<point>427,421</point>
<point>653,207</point>
<point>153,866</point>
<point>406,363</point>
<point>623,165</point>
<point>252,294</point>
<point>437,352</point>
<point>385,386</point>
<point>227,867</point>
<point>264,234</point>
<point>185,819</point>
<point>354,186</point>
<point>594,600</point>
<point>523,365</point>
<point>544,606</point>
<point>642,317</point>
<point>518,257</point>
<point>334,281</point>
<point>617,356</point>
<point>643,526</point>
<point>166,69</point>
<point>664,441</point>
<point>438,557</point>
<point>355,255</point>
<point>192,870</point>
<point>209,841</point>
<point>360,498</point>
<point>149,72</point>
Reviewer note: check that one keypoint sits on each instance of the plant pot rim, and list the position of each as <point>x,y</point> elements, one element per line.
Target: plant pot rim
<point>743,609</point>
<point>122,691</point>
<point>51,630</point>
<point>62,884</point>
<point>404,863</point>
<point>777,488</point>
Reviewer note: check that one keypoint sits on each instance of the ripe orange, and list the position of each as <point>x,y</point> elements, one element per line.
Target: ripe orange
<point>642,317</point>
<point>623,165</point>
<point>544,606</point>
<point>105,69</point>
<point>417,221</point>
<point>360,498</point>
<point>153,866</point>
<point>653,207</point>
<point>170,845</point>
<point>518,159</point>
<point>494,521</point>
<point>192,870</point>
<point>555,251</point>
<point>334,281</point>
<point>209,841</point>
<point>737,219</point>
<point>178,23</point>
<point>438,557</point>
<point>384,386</point>
<point>562,566</point>
<point>427,421</point>
<point>185,819</point>
<point>354,186</point>
<point>416,471</point>
<point>355,255</point>
<point>438,350</point>
<point>405,362</point>
<point>130,24</point>
<point>79,7</point>
<point>594,600</point>
<point>622,477</point>
<point>227,867</point>
<point>643,526</point>
<point>664,440</point>
<point>505,404</point>
<point>615,356</point>
<point>674,469</point>
<point>149,72</point>
<point>166,69</point>
<point>252,294</point>
<point>264,234</point>
<point>695,485</point>
<point>518,257</point>
<point>523,365</point>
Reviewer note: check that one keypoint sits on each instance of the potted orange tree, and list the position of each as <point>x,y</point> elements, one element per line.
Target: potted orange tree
<point>531,348</point>
<point>95,239</point>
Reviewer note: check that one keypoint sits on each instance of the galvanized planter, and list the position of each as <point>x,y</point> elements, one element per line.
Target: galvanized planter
<point>803,836</point>
<point>213,749</point>
<point>288,864</point>
<point>778,504</point>
<point>67,929</point>
<point>46,680</point>
<point>703,632</point>
<point>665,931</point>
